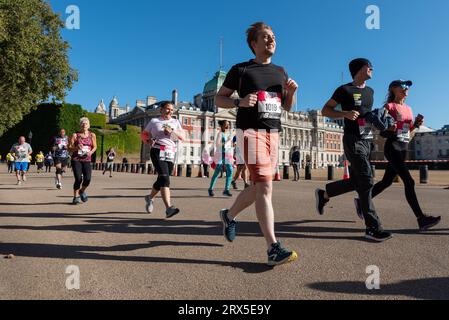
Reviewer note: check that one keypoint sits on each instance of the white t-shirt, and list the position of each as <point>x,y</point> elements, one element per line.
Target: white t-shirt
<point>156,129</point>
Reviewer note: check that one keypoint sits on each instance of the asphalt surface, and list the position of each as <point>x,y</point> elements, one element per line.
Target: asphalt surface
<point>124,253</point>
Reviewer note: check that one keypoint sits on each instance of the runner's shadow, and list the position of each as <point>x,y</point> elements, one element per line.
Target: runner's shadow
<point>36,204</point>
<point>428,289</point>
<point>91,253</point>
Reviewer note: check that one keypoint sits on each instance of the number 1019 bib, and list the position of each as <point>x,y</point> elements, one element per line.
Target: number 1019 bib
<point>270,105</point>
<point>167,153</point>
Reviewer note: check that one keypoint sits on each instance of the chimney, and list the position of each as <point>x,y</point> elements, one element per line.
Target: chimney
<point>175,97</point>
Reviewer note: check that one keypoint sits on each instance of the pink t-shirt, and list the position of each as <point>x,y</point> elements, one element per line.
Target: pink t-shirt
<point>403,115</point>
<point>156,129</point>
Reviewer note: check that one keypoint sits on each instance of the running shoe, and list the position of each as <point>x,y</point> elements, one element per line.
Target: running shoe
<point>427,222</point>
<point>24,178</point>
<point>229,226</point>
<point>226,193</point>
<point>378,235</point>
<point>279,255</point>
<point>171,212</point>
<point>59,186</point>
<point>320,201</point>
<point>234,185</point>
<point>247,185</point>
<point>149,204</point>
<point>358,208</point>
<point>19,183</point>
<point>76,201</point>
<point>84,197</point>
<point>211,193</point>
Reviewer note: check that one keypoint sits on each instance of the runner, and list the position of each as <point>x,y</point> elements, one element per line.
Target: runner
<point>223,157</point>
<point>295,160</point>
<point>265,89</point>
<point>241,166</point>
<point>162,133</point>
<point>110,154</point>
<point>40,162</point>
<point>48,161</point>
<point>61,156</point>
<point>396,148</point>
<point>10,159</point>
<point>22,152</point>
<point>82,145</point>
<point>356,100</point>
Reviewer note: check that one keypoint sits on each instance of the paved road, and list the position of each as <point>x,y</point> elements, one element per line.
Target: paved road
<point>124,253</point>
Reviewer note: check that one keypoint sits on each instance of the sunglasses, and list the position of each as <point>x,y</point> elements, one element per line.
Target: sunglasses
<point>405,87</point>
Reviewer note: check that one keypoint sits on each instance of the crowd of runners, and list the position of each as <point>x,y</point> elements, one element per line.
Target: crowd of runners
<point>265,90</point>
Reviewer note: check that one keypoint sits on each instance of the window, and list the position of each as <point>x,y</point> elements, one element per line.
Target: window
<point>184,152</point>
<point>192,151</point>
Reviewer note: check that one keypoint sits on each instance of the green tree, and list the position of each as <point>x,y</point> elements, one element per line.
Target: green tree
<point>34,65</point>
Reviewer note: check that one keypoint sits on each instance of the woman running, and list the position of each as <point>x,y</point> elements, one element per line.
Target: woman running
<point>396,148</point>
<point>82,145</point>
<point>162,133</point>
<point>223,157</point>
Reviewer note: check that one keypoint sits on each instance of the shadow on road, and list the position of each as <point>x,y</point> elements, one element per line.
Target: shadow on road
<point>96,223</point>
<point>91,253</point>
<point>429,289</point>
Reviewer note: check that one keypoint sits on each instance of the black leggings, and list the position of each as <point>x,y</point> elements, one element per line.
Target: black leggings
<point>396,154</point>
<point>83,174</point>
<point>164,170</point>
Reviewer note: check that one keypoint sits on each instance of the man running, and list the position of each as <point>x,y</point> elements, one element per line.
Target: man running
<point>356,100</point>
<point>61,156</point>
<point>22,152</point>
<point>266,88</point>
<point>110,155</point>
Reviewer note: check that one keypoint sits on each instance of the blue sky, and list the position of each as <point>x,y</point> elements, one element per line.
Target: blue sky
<point>137,48</point>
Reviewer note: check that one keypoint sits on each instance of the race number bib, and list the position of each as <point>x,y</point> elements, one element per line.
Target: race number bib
<point>403,132</point>
<point>365,129</point>
<point>62,144</point>
<point>111,157</point>
<point>270,105</point>
<point>21,153</point>
<point>167,153</point>
<point>84,151</point>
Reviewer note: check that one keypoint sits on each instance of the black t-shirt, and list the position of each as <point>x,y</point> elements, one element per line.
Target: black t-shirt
<point>267,80</point>
<point>351,98</point>
<point>110,156</point>
<point>296,156</point>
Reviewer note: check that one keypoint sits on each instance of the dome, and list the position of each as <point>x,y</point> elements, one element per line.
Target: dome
<point>101,108</point>
<point>114,102</point>
<point>215,84</point>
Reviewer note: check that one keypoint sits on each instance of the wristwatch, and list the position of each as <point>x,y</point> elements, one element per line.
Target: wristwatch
<point>237,102</point>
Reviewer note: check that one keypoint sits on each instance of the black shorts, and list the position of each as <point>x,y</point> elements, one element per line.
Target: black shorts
<point>63,161</point>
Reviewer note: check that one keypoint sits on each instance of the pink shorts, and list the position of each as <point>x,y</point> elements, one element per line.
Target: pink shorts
<point>261,154</point>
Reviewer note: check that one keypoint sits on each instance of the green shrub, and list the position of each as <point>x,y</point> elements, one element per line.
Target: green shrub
<point>97,120</point>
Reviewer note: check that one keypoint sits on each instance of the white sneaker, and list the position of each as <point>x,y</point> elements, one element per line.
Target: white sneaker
<point>19,183</point>
<point>149,204</point>
<point>59,186</point>
<point>24,178</point>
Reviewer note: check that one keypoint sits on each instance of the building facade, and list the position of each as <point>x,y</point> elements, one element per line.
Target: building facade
<point>432,145</point>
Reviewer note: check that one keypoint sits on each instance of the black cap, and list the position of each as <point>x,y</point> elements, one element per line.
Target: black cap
<point>357,64</point>
<point>400,83</point>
